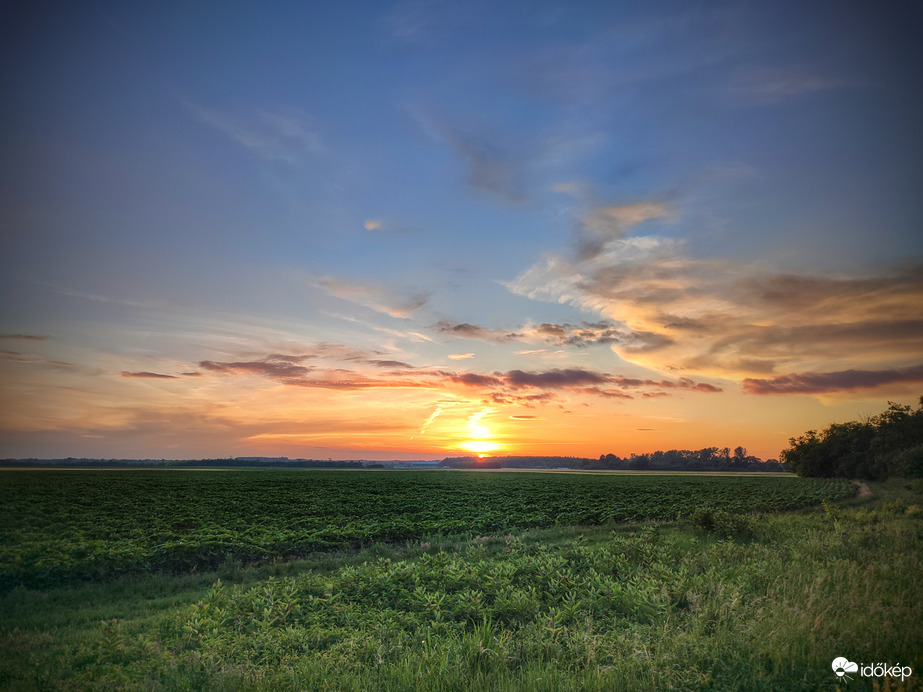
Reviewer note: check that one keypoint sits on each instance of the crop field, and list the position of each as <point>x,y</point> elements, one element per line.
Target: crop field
<point>58,526</point>
<point>392,580</point>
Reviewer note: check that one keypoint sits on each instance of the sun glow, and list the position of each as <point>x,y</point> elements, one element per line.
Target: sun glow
<point>479,446</point>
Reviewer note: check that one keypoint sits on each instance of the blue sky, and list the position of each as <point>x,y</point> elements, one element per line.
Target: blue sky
<point>616,199</point>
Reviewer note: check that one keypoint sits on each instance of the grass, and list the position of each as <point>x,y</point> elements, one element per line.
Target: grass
<point>58,527</point>
<point>719,602</point>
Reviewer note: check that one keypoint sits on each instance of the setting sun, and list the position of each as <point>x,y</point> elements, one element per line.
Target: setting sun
<point>479,446</point>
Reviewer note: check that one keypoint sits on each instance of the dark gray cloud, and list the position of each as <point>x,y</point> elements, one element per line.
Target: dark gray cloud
<point>149,375</point>
<point>473,331</point>
<point>554,379</point>
<point>500,387</point>
<point>824,382</point>
<point>396,364</point>
<point>24,337</point>
<point>575,379</point>
<point>274,367</point>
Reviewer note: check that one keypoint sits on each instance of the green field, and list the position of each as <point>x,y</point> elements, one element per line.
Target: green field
<point>62,525</point>
<point>453,581</point>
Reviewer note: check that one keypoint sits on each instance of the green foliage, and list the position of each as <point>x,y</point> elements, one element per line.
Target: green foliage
<point>889,444</point>
<point>649,607</point>
<point>727,524</point>
<point>58,526</point>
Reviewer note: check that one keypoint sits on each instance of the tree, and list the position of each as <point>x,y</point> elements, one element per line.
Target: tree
<point>889,444</point>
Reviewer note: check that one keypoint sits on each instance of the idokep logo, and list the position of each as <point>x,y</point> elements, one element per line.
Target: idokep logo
<point>842,666</point>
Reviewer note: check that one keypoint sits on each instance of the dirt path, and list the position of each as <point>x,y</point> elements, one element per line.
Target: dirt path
<point>864,490</point>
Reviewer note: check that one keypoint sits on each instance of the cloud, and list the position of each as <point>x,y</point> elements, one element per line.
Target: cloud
<point>666,309</point>
<point>605,224</point>
<point>321,378</point>
<point>582,335</point>
<point>609,393</point>
<point>825,382</point>
<point>321,366</point>
<point>31,359</point>
<point>324,372</point>
<point>554,379</point>
<point>572,188</point>
<point>271,135</point>
<point>460,356</point>
<point>489,166</point>
<point>373,296</point>
<point>771,85</point>
<point>574,379</point>
<point>24,337</point>
<point>472,331</point>
<point>526,418</point>
<point>149,375</point>
<point>275,367</point>
<point>395,364</point>
<point>372,224</point>
<point>494,163</point>
<point>474,379</point>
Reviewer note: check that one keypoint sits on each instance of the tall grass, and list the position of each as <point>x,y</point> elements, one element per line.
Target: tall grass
<point>731,602</point>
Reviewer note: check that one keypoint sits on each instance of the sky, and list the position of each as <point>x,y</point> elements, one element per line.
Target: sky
<point>394,230</point>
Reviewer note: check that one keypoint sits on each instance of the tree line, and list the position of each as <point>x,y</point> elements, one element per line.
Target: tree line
<point>707,459</point>
<point>889,444</point>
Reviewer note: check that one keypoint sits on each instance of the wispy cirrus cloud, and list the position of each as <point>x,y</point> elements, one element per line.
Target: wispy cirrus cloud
<point>33,359</point>
<point>605,224</point>
<point>272,135</point>
<point>24,337</point>
<point>774,84</point>
<point>508,164</point>
<point>492,164</point>
<point>373,296</point>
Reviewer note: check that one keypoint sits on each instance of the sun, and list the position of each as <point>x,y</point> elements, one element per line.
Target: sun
<point>479,446</point>
<point>479,435</point>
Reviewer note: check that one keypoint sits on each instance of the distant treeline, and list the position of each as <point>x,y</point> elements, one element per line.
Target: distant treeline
<point>708,459</point>
<point>889,444</point>
<point>186,463</point>
<point>514,462</point>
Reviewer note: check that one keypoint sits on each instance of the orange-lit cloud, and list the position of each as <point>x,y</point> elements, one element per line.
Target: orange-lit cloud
<point>672,312</point>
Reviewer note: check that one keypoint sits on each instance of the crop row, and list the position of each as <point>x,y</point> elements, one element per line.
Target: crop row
<point>58,525</point>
